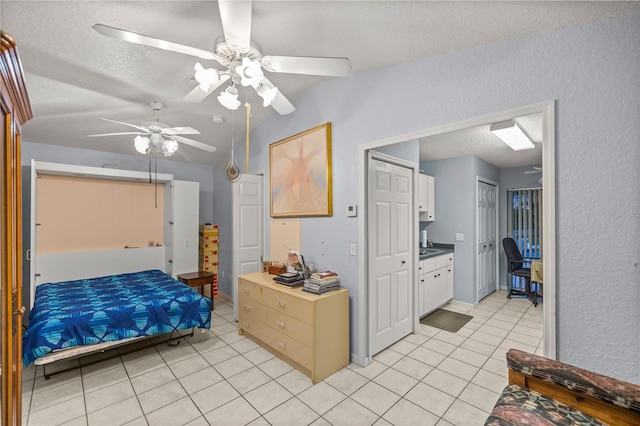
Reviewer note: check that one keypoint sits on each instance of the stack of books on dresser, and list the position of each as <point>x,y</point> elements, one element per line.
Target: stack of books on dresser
<point>291,279</point>
<point>322,282</point>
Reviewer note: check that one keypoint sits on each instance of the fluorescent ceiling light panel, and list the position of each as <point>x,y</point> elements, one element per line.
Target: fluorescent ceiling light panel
<point>511,134</point>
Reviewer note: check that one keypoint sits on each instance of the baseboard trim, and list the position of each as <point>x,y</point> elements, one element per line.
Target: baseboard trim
<point>463,304</point>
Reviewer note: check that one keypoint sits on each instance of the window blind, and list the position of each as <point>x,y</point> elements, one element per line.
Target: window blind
<point>524,220</point>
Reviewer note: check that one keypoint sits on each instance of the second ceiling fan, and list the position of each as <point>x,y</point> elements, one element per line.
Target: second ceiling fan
<point>243,63</point>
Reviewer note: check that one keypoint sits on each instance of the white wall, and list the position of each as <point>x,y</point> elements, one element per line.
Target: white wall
<point>592,72</point>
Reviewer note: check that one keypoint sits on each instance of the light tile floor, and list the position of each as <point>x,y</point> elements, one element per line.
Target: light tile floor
<point>216,377</point>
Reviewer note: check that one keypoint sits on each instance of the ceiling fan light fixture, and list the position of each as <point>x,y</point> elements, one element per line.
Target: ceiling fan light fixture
<point>206,77</point>
<point>511,134</point>
<point>250,72</point>
<point>229,98</point>
<point>268,94</point>
<point>142,144</point>
<point>169,147</point>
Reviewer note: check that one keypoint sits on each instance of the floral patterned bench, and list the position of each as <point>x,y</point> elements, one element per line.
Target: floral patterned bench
<point>542,391</point>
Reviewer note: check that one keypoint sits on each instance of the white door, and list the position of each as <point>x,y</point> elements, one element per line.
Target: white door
<point>391,287</point>
<point>486,275</point>
<point>247,229</point>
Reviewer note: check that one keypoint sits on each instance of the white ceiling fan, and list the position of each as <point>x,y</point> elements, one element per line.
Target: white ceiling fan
<point>243,62</point>
<point>154,136</point>
<point>536,169</point>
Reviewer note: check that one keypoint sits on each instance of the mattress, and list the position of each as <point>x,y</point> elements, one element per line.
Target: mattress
<point>110,308</point>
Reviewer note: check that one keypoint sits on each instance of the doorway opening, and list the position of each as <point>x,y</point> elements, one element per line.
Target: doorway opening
<point>547,111</point>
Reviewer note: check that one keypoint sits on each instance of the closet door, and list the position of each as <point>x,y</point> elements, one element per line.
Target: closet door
<point>390,288</point>
<point>486,276</point>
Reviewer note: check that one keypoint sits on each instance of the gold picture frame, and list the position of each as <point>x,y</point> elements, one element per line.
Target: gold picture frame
<point>300,174</point>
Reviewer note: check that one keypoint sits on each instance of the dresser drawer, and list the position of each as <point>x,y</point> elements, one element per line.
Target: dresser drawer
<point>287,346</point>
<point>288,304</point>
<point>248,290</point>
<point>248,314</point>
<point>289,326</point>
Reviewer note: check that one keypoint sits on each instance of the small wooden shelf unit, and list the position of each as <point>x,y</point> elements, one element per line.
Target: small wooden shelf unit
<point>309,331</point>
<point>208,253</point>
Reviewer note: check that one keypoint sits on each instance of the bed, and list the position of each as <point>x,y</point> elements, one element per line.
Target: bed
<point>113,308</point>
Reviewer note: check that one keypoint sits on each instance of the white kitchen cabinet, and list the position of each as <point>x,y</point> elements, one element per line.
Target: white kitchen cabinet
<point>436,282</point>
<point>426,197</point>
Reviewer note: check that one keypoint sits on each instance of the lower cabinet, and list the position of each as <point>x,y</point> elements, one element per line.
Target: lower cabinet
<point>309,331</point>
<point>436,282</point>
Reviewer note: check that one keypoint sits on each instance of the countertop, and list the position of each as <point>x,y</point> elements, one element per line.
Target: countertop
<point>441,249</point>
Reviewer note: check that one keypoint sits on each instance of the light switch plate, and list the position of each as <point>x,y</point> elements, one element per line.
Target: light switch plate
<point>459,237</point>
<point>353,249</point>
<point>352,210</point>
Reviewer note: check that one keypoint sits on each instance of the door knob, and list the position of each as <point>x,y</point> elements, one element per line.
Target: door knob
<point>403,262</point>
<point>20,311</point>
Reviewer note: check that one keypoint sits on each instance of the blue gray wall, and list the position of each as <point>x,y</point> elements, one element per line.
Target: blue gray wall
<point>592,72</point>
<point>455,201</point>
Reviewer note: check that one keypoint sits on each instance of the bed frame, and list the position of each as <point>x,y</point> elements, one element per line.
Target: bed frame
<point>57,267</point>
<point>80,351</point>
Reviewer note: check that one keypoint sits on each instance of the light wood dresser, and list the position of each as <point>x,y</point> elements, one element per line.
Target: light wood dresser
<point>309,331</point>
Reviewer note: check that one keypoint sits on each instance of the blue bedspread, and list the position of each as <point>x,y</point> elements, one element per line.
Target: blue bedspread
<point>115,307</point>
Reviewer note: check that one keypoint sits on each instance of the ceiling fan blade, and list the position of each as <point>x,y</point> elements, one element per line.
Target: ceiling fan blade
<point>118,134</point>
<point>332,67</point>
<point>132,37</point>
<point>236,23</point>
<point>280,103</point>
<point>179,131</point>
<point>197,94</point>
<point>530,172</point>
<point>144,129</point>
<point>194,144</point>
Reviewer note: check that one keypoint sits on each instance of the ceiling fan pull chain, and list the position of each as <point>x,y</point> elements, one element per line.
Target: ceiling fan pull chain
<point>246,166</point>
<point>156,182</point>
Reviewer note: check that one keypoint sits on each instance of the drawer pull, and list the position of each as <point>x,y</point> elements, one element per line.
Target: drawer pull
<point>247,325</point>
<point>247,307</point>
<point>281,324</point>
<point>246,291</point>
<point>282,304</point>
<point>281,344</point>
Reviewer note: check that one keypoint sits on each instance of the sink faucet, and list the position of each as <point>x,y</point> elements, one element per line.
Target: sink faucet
<point>429,243</point>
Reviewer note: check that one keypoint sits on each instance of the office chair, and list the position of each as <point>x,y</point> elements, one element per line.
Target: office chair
<point>515,265</point>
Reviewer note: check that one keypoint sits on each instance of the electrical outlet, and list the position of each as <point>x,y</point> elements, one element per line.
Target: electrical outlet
<point>353,249</point>
<point>459,237</point>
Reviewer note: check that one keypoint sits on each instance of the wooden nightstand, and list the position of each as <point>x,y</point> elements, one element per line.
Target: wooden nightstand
<point>199,279</point>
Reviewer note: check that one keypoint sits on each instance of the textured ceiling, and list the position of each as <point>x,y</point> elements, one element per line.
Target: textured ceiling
<point>75,74</point>
<point>480,142</point>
